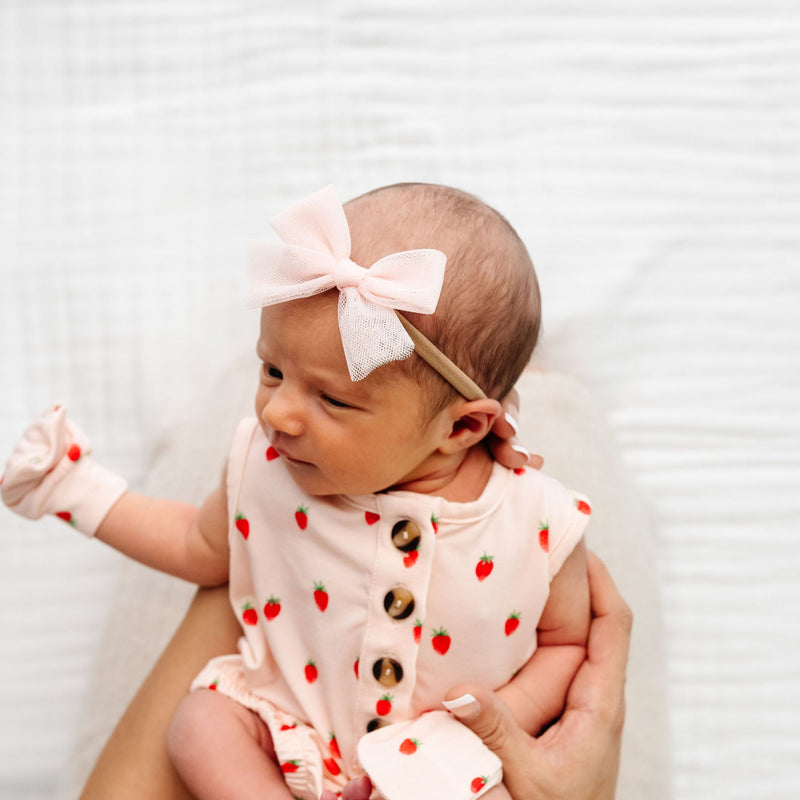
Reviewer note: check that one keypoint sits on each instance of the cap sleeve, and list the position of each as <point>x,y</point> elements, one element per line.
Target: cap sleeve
<point>568,514</point>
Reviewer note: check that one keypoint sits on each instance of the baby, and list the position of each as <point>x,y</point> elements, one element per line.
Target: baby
<point>376,554</point>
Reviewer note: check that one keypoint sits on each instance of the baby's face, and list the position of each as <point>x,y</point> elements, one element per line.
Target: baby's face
<point>337,436</point>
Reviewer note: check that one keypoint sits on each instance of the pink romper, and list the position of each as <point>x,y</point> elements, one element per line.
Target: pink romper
<point>361,611</point>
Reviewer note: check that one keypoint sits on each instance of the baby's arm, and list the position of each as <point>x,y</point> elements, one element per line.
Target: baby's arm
<point>170,536</point>
<point>537,693</point>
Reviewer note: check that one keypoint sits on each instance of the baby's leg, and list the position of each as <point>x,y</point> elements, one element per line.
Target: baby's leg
<point>223,750</point>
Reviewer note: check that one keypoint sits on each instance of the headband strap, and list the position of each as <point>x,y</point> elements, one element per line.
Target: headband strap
<point>432,355</point>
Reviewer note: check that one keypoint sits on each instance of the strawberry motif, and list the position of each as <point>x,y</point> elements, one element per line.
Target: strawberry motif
<point>435,523</point>
<point>440,641</point>
<point>272,453</point>
<point>512,623</point>
<point>291,766</point>
<point>249,614</point>
<point>411,557</point>
<point>519,470</point>
<point>409,746</point>
<point>371,517</point>
<point>484,567</point>
<point>301,517</point>
<point>477,784</point>
<point>272,608</point>
<point>334,746</point>
<point>320,596</point>
<point>286,727</point>
<point>544,536</point>
<point>312,673</point>
<point>417,630</point>
<point>384,705</point>
<point>213,685</point>
<point>583,506</point>
<point>66,516</point>
<point>242,525</point>
<point>331,766</point>
<point>355,666</point>
<point>74,453</point>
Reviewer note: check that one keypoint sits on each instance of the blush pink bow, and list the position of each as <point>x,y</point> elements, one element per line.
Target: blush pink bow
<point>315,257</point>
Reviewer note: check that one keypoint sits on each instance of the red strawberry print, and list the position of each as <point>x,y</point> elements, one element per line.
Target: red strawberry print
<point>411,557</point>
<point>477,784</point>
<point>334,746</point>
<point>371,517</point>
<point>583,506</point>
<point>544,536</point>
<point>519,470</point>
<point>384,705</point>
<point>484,567</point>
<point>331,766</point>
<point>355,665</point>
<point>435,523</point>
<point>286,727</point>
<point>441,641</point>
<point>290,766</point>
<point>249,614</point>
<point>512,623</point>
<point>312,673</point>
<point>272,608</point>
<point>74,453</point>
<point>417,630</point>
<point>272,453</point>
<point>213,685</point>
<point>66,516</point>
<point>409,746</point>
<point>301,517</point>
<point>242,525</point>
<point>320,596</point>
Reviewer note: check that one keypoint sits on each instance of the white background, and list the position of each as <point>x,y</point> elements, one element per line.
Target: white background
<point>649,153</point>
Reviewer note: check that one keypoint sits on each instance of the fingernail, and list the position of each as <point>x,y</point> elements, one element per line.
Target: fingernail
<point>518,448</point>
<point>462,707</point>
<point>512,422</point>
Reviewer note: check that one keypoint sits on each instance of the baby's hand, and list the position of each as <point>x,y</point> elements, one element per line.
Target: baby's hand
<point>50,471</point>
<point>502,440</point>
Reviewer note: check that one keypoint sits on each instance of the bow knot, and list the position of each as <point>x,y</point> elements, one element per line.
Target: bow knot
<point>315,257</point>
<point>348,273</point>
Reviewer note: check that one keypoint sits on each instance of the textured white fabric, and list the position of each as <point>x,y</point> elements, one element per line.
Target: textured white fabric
<point>315,257</point>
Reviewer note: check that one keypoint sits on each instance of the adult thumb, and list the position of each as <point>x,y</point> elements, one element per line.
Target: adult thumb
<point>489,718</point>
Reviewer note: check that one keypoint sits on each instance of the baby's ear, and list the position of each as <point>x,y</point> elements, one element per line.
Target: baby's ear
<point>472,420</point>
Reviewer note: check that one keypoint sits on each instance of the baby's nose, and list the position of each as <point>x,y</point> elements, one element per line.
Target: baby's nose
<point>283,414</point>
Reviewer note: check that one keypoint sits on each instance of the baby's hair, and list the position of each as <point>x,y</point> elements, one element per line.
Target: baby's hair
<point>488,317</point>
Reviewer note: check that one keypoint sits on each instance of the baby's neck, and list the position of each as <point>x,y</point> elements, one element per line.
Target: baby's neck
<point>461,480</point>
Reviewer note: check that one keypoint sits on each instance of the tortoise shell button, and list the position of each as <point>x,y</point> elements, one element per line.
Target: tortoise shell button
<point>387,672</point>
<point>399,603</point>
<point>376,723</point>
<point>406,535</point>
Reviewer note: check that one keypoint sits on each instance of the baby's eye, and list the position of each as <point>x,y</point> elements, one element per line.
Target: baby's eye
<point>334,402</point>
<point>271,372</point>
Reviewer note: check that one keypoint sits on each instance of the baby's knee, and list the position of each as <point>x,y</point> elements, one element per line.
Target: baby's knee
<point>191,730</point>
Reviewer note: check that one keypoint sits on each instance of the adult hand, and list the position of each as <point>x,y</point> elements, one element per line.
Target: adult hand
<point>578,757</point>
<point>502,439</point>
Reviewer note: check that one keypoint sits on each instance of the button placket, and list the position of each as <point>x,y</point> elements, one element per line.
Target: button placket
<point>397,598</point>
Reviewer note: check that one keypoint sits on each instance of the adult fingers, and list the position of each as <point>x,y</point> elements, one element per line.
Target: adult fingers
<point>359,789</point>
<point>489,718</point>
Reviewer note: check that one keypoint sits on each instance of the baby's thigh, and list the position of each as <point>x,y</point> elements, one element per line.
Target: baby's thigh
<point>205,719</point>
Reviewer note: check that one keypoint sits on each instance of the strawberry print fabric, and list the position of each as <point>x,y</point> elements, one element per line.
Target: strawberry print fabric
<point>363,611</point>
